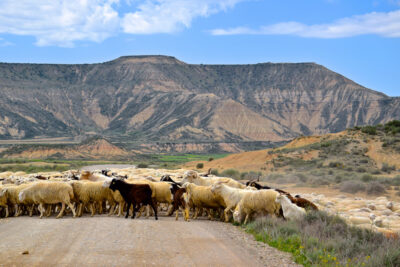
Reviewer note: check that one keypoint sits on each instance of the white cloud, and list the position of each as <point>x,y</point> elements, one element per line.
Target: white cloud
<point>166,16</point>
<point>382,24</point>
<point>63,22</point>
<point>59,22</point>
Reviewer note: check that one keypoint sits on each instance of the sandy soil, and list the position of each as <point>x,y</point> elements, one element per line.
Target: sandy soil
<point>112,241</point>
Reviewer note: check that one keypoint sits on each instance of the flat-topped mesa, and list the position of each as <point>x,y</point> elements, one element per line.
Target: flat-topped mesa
<point>155,59</point>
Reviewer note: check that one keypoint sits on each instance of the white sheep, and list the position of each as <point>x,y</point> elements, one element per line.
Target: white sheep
<point>290,211</point>
<point>202,197</point>
<point>261,201</point>
<point>90,193</point>
<point>193,177</point>
<point>49,193</point>
<point>3,200</point>
<point>11,193</point>
<point>231,196</point>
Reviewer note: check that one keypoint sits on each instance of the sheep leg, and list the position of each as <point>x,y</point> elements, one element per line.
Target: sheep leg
<point>147,211</point>
<point>226,211</point>
<point>120,208</point>
<point>187,214</point>
<point>140,211</point>
<point>112,208</point>
<point>48,210</point>
<point>61,211</point>
<point>153,205</point>
<point>210,214</point>
<point>170,210</point>
<point>31,210</point>
<point>80,208</point>
<point>177,213</point>
<point>16,210</point>
<point>247,218</point>
<point>92,209</point>
<point>196,212</point>
<point>127,210</point>
<point>100,207</point>
<point>7,211</point>
<point>134,209</point>
<point>72,208</point>
<point>41,209</point>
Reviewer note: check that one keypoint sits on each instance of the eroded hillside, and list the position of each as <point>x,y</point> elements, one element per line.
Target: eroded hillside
<point>168,105</point>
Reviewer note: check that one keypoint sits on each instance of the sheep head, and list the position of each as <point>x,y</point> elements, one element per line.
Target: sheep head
<point>190,176</point>
<point>279,198</point>
<point>216,187</point>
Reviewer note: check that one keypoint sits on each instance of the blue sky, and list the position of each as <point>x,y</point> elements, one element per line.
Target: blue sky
<point>357,38</point>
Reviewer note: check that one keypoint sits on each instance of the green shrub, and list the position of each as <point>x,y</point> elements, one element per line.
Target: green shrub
<point>142,165</point>
<point>335,164</point>
<point>210,159</point>
<point>352,186</point>
<point>200,165</point>
<point>320,239</point>
<point>235,174</point>
<point>214,172</point>
<point>375,188</point>
<point>367,178</point>
<point>369,130</point>
<point>388,168</point>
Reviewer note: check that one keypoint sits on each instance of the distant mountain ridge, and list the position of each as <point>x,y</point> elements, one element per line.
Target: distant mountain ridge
<point>140,100</point>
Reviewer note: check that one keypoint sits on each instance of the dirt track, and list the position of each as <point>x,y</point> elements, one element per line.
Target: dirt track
<point>112,241</point>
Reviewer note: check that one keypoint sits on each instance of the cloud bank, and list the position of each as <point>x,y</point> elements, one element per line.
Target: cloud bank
<point>377,23</point>
<point>64,22</point>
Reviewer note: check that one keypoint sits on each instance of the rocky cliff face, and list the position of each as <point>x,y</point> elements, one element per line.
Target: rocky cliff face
<point>149,99</point>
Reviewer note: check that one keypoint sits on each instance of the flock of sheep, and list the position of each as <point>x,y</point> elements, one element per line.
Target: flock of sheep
<point>180,190</point>
<point>77,193</point>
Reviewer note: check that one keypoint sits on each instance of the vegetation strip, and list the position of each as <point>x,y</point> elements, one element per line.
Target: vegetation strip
<point>320,239</point>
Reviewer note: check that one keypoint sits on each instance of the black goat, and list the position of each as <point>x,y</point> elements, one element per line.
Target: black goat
<point>136,194</point>
<point>179,201</point>
<point>167,178</point>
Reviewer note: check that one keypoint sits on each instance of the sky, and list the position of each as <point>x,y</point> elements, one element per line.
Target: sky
<point>359,39</point>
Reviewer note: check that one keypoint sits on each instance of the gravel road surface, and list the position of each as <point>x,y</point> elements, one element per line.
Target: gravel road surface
<point>113,241</point>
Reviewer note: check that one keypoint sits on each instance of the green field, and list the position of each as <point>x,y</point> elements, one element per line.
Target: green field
<point>147,160</point>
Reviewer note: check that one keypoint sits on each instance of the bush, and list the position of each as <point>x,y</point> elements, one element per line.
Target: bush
<point>210,159</point>
<point>199,165</point>
<point>369,130</point>
<point>352,186</point>
<point>231,173</point>
<point>361,169</point>
<point>335,164</point>
<point>142,165</point>
<point>302,177</point>
<point>214,172</point>
<point>318,181</point>
<point>338,179</point>
<point>367,178</point>
<point>375,188</point>
<point>388,168</point>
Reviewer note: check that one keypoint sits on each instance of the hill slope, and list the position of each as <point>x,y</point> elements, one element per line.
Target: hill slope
<point>362,150</point>
<point>148,99</point>
<point>92,149</point>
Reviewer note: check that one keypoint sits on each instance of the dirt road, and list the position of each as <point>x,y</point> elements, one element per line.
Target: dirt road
<point>112,241</point>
